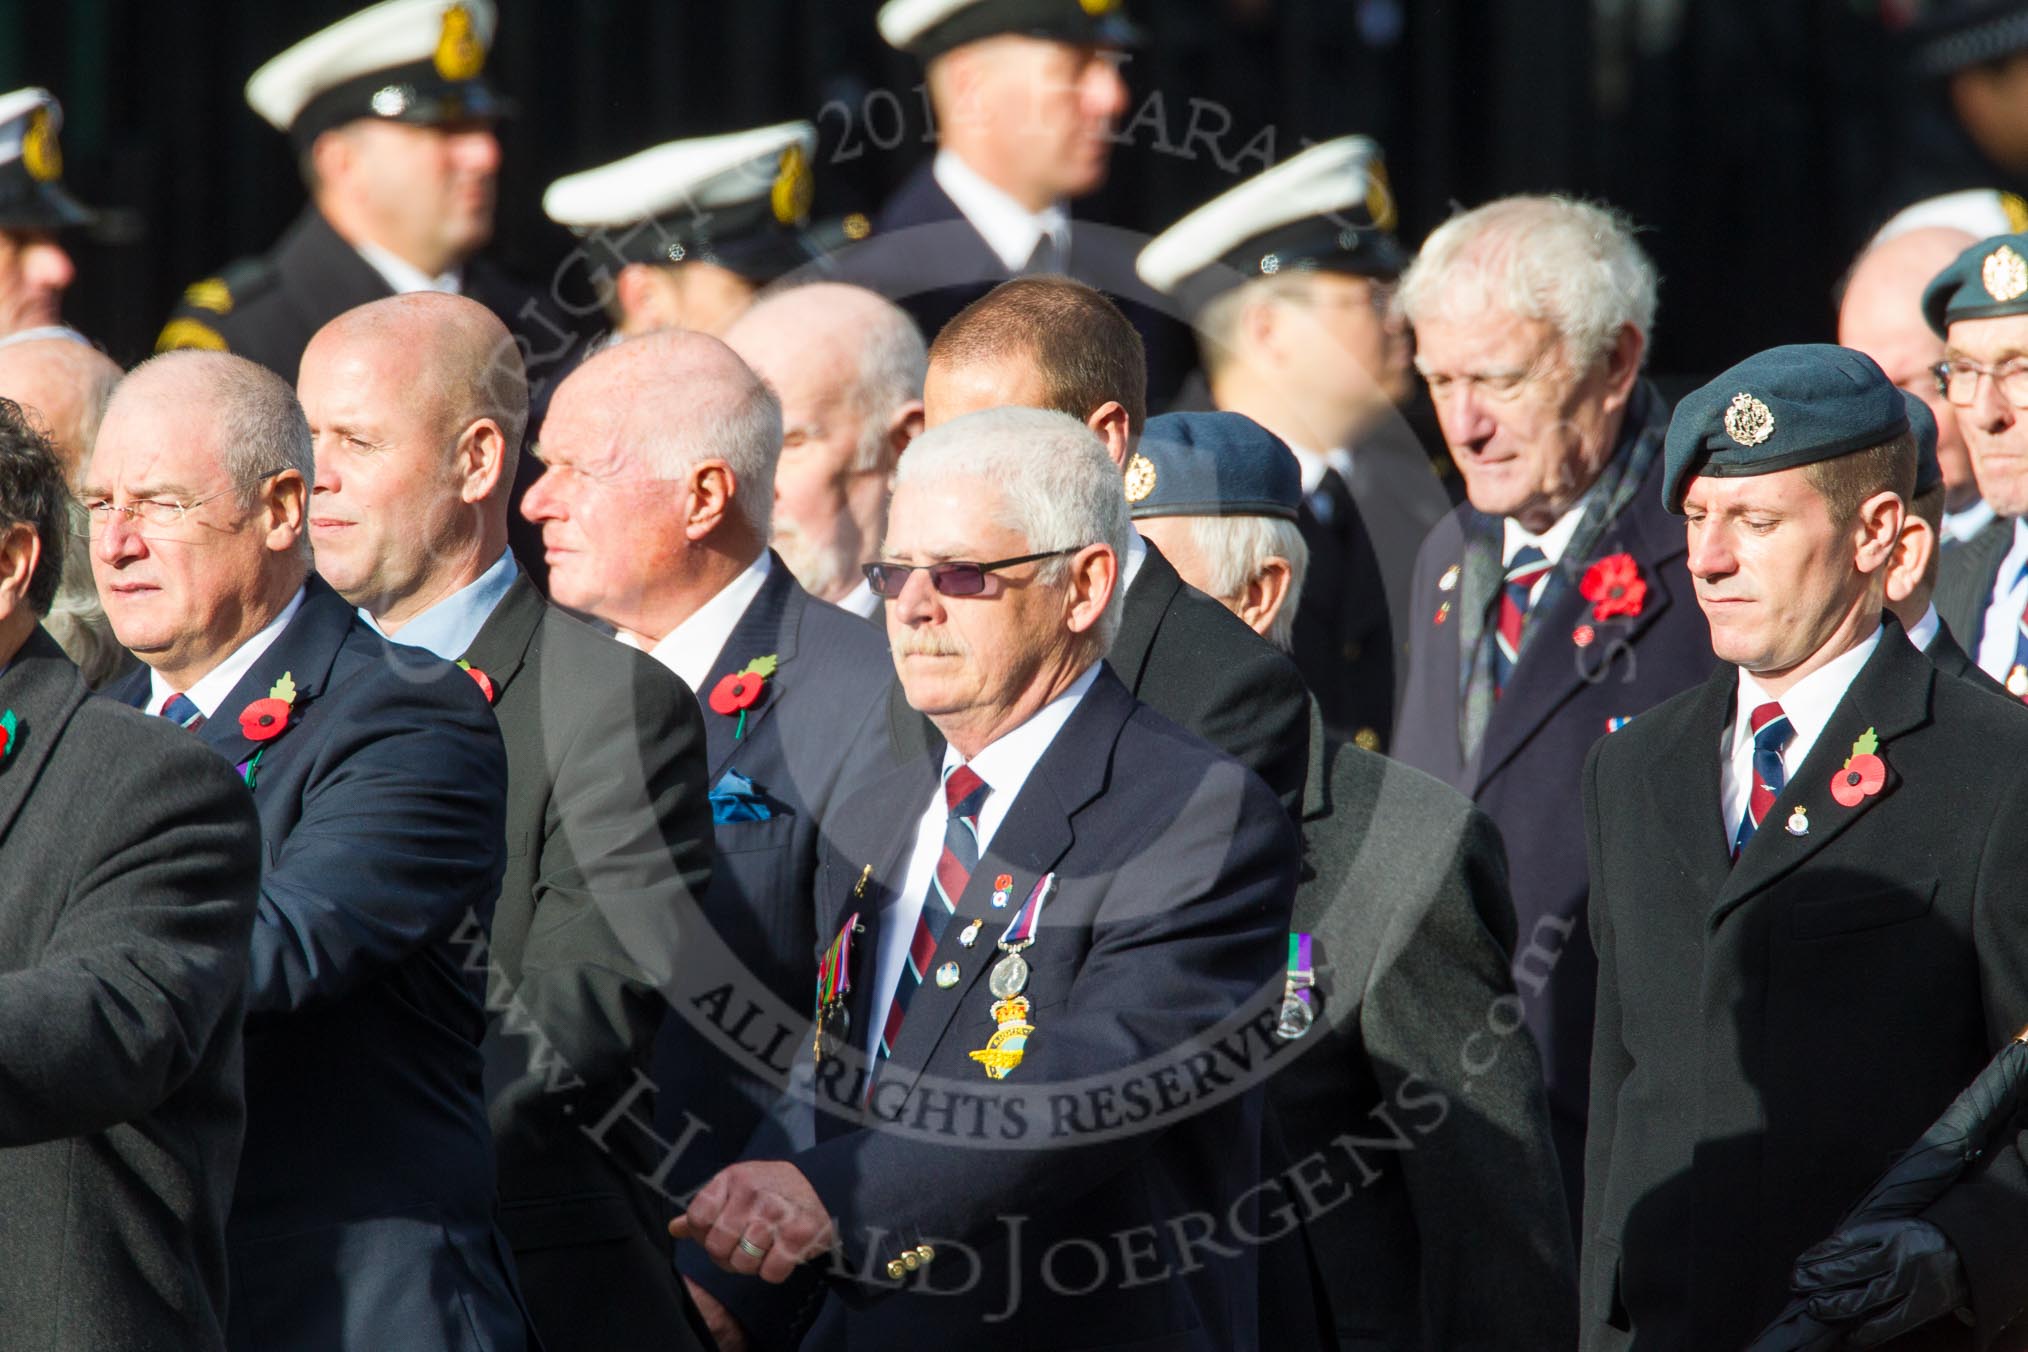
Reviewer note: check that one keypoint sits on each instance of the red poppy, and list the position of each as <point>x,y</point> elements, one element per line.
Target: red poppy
<point>1614,586</point>
<point>264,718</point>
<point>1861,777</point>
<point>737,692</point>
<point>484,681</point>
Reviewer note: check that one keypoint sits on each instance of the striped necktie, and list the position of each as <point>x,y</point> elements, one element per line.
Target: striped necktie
<point>1524,570</point>
<point>1771,732</point>
<point>964,794</point>
<point>182,710</point>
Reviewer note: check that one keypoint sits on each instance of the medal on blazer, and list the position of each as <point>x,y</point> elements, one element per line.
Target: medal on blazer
<point>1003,1051</point>
<point>834,980</point>
<point>1297,1011</point>
<point>1009,976</point>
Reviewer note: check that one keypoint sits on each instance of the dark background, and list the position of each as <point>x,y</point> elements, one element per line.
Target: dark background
<point>1752,141</point>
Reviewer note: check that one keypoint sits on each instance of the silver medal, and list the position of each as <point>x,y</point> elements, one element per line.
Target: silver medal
<point>1295,1020</point>
<point>1009,976</point>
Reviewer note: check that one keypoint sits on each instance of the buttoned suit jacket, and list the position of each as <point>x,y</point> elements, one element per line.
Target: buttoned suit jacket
<point>1175,872</point>
<point>132,862</point>
<point>928,258</point>
<point>1442,1224</point>
<point>608,850</point>
<point>1197,664</point>
<point>1772,1031</point>
<point>1965,578</point>
<point>818,733</point>
<point>1560,699</point>
<point>365,1203</point>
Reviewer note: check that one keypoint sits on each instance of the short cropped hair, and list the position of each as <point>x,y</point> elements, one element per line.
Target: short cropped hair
<point>1573,265</point>
<point>1086,351</point>
<point>1059,488</point>
<point>1846,481</point>
<point>744,429</point>
<point>32,493</point>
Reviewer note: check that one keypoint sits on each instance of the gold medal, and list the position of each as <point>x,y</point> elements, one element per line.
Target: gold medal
<point>1009,977</point>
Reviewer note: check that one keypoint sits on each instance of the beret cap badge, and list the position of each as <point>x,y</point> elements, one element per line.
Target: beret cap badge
<point>1140,477</point>
<point>459,55</point>
<point>1748,421</point>
<point>2004,274</point>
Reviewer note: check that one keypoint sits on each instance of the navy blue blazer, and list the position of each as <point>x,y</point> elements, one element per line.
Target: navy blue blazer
<point>818,731</point>
<point>1573,681</point>
<point>1131,1127</point>
<point>364,1211</point>
<point>926,257</point>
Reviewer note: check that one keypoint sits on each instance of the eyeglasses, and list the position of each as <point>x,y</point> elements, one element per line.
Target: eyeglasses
<point>161,513</point>
<point>1958,380</point>
<point>954,578</point>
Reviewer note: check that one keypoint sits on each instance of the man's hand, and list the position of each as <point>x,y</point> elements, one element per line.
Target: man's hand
<point>1878,1279</point>
<point>770,1206</point>
<point>724,1329</point>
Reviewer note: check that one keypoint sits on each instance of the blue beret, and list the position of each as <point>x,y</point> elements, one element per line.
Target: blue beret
<point>1780,408</point>
<point>1987,280</point>
<point>1928,472</point>
<point>1212,464</point>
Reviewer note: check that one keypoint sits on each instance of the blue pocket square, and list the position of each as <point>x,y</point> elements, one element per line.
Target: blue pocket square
<point>736,800</point>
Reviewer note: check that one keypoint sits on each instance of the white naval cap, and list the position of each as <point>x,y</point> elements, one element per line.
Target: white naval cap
<point>739,200</point>
<point>1328,208</point>
<point>403,60</point>
<point>1980,212</point>
<point>928,28</point>
<point>32,195</point>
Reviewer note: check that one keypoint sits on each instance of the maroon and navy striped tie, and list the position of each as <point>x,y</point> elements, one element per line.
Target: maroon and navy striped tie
<point>1523,572</point>
<point>182,710</point>
<point>964,794</point>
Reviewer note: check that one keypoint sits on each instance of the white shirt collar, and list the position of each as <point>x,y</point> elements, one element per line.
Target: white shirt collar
<point>1809,703</point>
<point>211,688</point>
<point>861,601</point>
<point>1551,542</point>
<point>449,627</point>
<point>1010,230</point>
<point>1130,566</point>
<point>692,646</point>
<point>403,276</point>
<point>1312,467</point>
<point>1923,632</point>
<point>1999,641</point>
<point>1962,525</point>
<point>1006,762</point>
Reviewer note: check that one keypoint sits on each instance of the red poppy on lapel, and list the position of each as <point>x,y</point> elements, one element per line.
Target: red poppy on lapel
<point>1614,586</point>
<point>265,719</point>
<point>1862,774</point>
<point>738,691</point>
<point>485,682</point>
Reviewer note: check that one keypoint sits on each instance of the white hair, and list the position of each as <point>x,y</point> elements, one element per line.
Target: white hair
<point>744,429</point>
<point>1236,548</point>
<point>1573,265</point>
<point>1057,486</point>
<point>892,364</point>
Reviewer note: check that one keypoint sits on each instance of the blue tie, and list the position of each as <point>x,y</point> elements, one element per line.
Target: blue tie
<point>1771,732</point>
<point>182,710</point>
<point>1524,570</point>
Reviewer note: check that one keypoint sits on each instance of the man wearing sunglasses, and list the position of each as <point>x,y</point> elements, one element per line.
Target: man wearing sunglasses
<point>1073,865</point>
<point>1979,306</point>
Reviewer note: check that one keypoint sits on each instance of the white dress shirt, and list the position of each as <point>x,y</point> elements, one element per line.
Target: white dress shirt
<point>1312,467</point>
<point>2003,610</point>
<point>1809,705</point>
<point>1551,542</point>
<point>1923,632</point>
<point>403,277</point>
<point>692,646</point>
<point>212,687</point>
<point>448,627</point>
<point>1005,765</point>
<point>1010,230</point>
<point>1130,566</point>
<point>861,601</point>
<point>1961,526</point>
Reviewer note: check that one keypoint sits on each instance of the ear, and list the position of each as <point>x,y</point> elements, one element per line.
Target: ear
<point>1913,552</point>
<point>1094,570</point>
<point>643,302</point>
<point>20,552</point>
<point>331,155</point>
<point>711,486</point>
<point>480,460</point>
<point>1623,367</point>
<point>283,503</point>
<point>905,426</point>
<point>1878,532</point>
<point>1115,429</point>
<point>1260,323</point>
<point>1264,595</point>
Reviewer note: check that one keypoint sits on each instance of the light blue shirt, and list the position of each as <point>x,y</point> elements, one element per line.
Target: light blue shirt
<point>448,627</point>
<point>2003,609</point>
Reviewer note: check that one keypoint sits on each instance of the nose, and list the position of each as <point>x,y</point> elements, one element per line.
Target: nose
<point>919,602</point>
<point>50,266</point>
<point>477,151</point>
<point>1105,89</point>
<point>1710,553</point>
<point>539,504</point>
<point>1990,409</point>
<point>1466,421</point>
<point>117,538</point>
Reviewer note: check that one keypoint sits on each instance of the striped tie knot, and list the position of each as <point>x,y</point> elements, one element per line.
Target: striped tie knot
<point>1524,570</point>
<point>181,710</point>
<point>964,792</point>
<point>1771,733</point>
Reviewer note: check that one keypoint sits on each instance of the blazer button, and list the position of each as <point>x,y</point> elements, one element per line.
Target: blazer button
<point>911,1260</point>
<point>896,1270</point>
<point>925,1252</point>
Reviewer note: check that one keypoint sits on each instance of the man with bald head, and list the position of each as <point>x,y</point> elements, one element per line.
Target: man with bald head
<point>416,406</point>
<point>363,1213</point>
<point>1880,314</point>
<point>64,383</point>
<point>848,367</point>
<point>655,512</point>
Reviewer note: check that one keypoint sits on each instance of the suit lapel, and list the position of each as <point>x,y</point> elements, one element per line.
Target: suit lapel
<point>1890,695</point>
<point>304,651</point>
<point>43,689</point>
<point>1685,787</point>
<point>768,627</point>
<point>501,645</point>
<point>1141,612</point>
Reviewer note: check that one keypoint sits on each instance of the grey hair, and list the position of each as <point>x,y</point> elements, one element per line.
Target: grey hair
<point>744,429</point>
<point>893,362</point>
<point>1058,487</point>
<point>1235,549</point>
<point>1573,265</point>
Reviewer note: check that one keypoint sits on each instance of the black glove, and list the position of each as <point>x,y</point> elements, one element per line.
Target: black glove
<point>1877,1280</point>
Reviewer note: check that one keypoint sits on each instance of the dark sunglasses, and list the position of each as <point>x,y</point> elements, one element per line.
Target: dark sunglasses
<point>955,578</point>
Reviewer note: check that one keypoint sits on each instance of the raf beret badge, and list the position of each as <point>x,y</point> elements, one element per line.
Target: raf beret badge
<point>2004,273</point>
<point>1748,421</point>
<point>1140,477</point>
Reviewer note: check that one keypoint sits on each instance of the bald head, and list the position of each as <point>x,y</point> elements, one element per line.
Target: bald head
<point>67,385</point>
<point>417,405</point>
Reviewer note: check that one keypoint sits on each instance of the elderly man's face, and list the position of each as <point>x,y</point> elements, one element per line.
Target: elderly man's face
<point>34,273</point>
<point>964,660</point>
<point>827,508</point>
<point>1528,434</point>
<point>1995,431</point>
<point>179,596</point>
